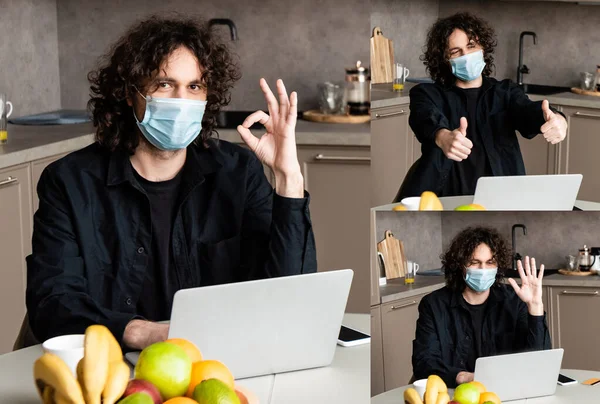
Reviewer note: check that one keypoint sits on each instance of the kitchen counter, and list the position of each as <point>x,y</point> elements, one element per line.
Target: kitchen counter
<point>396,289</point>
<point>383,96</point>
<point>28,143</point>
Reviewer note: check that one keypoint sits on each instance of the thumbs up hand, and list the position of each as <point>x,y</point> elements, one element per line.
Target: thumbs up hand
<point>455,144</point>
<point>555,128</point>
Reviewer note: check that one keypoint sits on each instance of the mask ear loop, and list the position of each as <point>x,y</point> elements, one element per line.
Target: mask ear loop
<point>146,97</point>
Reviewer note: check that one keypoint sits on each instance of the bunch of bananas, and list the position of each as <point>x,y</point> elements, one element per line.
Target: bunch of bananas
<point>436,392</point>
<point>102,374</point>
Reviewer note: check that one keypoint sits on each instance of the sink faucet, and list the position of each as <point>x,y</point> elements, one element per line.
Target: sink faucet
<point>523,69</point>
<point>225,21</point>
<point>516,255</point>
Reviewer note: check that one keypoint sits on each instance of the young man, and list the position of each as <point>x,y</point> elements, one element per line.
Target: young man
<point>466,120</point>
<point>156,204</point>
<point>475,314</point>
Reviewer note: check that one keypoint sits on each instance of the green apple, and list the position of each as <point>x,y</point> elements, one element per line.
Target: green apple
<point>214,391</point>
<point>466,393</point>
<point>167,366</point>
<point>137,398</point>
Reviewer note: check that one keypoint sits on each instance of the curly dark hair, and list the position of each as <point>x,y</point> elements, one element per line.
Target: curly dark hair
<point>134,61</point>
<point>457,256</point>
<point>435,54</point>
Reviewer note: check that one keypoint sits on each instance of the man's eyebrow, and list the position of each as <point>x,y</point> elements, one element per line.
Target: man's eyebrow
<point>172,80</point>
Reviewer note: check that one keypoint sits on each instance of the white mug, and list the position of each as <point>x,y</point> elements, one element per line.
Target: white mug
<point>412,267</point>
<point>67,347</point>
<point>4,102</point>
<point>420,385</point>
<point>412,202</point>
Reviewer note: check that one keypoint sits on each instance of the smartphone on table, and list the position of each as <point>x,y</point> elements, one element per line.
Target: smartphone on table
<point>351,337</point>
<point>565,380</point>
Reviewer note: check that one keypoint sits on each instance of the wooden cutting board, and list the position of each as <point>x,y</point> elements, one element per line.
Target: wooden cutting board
<point>574,273</point>
<point>392,250</point>
<point>382,58</point>
<point>585,92</point>
<point>317,116</point>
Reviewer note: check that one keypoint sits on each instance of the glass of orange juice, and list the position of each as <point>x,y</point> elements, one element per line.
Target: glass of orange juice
<point>6,109</point>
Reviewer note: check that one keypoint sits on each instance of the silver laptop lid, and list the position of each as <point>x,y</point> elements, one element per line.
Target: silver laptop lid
<point>521,375</point>
<point>528,192</point>
<point>265,326</point>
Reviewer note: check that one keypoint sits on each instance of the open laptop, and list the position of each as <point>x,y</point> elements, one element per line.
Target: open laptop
<point>528,192</point>
<point>265,326</point>
<point>522,375</point>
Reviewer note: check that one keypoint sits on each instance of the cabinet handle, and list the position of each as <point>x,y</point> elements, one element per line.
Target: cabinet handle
<point>567,292</point>
<point>401,112</point>
<point>403,305</point>
<point>587,115</point>
<point>321,157</point>
<point>9,180</point>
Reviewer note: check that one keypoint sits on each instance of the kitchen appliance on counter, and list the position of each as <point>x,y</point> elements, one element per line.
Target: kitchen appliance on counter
<point>585,260</point>
<point>358,90</point>
<point>595,253</point>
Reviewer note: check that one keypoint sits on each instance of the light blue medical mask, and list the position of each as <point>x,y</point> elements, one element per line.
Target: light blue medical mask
<point>171,123</point>
<point>480,280</point>
<point>469,66</point>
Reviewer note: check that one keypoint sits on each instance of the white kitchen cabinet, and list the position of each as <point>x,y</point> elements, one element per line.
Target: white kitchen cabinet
<point>338,178</point>
<point>15,245</point>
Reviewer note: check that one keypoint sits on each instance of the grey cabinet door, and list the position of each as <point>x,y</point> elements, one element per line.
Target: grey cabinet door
<point>398,325</point>
<point>337,179</point>
<point>579,150</point>
<point>575,327</point>
<point>539,156</point>
<point>16,225</point>
<point>391,152</point>
<point>377,379</point>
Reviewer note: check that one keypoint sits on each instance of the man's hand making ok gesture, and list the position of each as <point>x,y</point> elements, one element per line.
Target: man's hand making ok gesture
<point>555,128</point>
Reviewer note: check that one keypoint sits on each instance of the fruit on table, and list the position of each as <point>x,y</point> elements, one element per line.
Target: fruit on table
<point>137,398</point>
<point>189,347</point>
<point>167,366</point>
<point>181,400</point>
<point>471,206</point>
<point>411,396</point>
<point>399,207</point>
<point>215,391</point>
<point>479,386</point>
<point>94,372</point>
<point>116,383</point>
<point>54,380</point>
<point>209,369</point>
<point>466,393</point>
<point>489,397</point>
<point>443,398</point>
<point>434,387</point>
<point>143,386</point>
<point>430,201</point>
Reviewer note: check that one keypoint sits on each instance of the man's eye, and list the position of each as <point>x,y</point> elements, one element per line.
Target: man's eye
<point>163,84</point>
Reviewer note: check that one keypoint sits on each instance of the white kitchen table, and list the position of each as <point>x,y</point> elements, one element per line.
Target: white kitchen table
<point>345,381</point>
<point>451,202</point>
<point>575,393</point>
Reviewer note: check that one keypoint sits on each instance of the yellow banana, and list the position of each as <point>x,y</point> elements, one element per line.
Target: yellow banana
<point>411,396</point>
<point>95,362</point>
<point>80,377</point>
<point>443,398</point>
<point>48,395</point>
<point>118,378</point>
<point>51,371</point>
<point>435,385</point>
<point>115,353</point>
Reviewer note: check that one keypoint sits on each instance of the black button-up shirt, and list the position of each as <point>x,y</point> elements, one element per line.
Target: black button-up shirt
<point>92,234</point>
<point>443,343</point>
<point>502,109</point>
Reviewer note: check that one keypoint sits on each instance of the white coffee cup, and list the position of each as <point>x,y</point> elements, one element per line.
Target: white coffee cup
<point>420,385</point>
<point>67,347</point>
<point>412,202</point>
<point>412,266</point>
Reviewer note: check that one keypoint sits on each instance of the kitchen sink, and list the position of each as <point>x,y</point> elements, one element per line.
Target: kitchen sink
<point>231,119</point>
<point>541,89</point>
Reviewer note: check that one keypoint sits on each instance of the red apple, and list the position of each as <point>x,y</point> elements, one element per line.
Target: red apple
<point>143,386</point>
<point>453,402</point>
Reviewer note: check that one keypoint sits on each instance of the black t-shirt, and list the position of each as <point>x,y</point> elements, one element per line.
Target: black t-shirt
<point>477,313</point>
<point>463,175</point>
<point>161,281</point>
